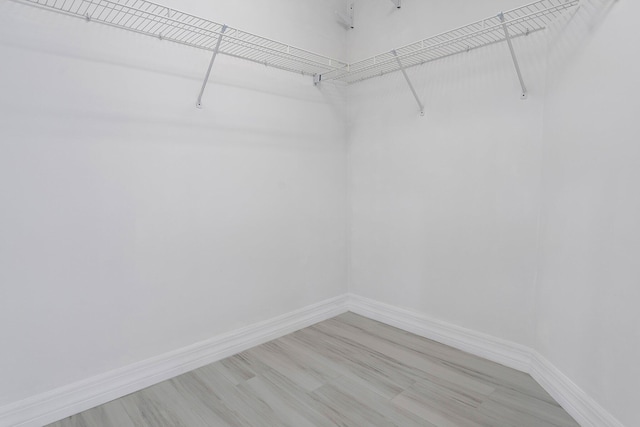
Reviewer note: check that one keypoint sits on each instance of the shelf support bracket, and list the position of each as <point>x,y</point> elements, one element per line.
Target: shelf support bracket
<point>406,77</point>
<point>213,59</point>
<point>513,56</point>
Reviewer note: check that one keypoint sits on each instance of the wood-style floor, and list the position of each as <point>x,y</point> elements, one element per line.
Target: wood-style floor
<point>347,371</point>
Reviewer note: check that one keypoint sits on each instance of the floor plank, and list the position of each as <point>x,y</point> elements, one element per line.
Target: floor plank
<point>346,371</point>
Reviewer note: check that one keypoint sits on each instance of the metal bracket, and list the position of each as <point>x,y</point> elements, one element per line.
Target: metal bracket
<point>213,58</point>
<point>346,20</point>
<point>513,56</point>
<point>398,3</point>
<point>317,78</point>
<point>413,90</point>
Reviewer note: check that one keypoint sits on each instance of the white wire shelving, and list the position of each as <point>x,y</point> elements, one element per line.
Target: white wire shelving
<point>145,17</point>
<point>519,22</point>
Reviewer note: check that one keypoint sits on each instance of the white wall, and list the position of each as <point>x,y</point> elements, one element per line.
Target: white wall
<point>131,223</point>
<point>589,286</point>
<point>445,207</point>
<point>517,219</point>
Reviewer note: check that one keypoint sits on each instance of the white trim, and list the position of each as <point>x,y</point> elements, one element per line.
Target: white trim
<point>74,398</point>
<point>582,407</point>
<point>505,352</point>
<point>56,404</point>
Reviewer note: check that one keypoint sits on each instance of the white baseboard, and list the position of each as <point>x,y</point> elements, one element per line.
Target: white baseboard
<point>505,352</point>
<point>65,401</point>
<point>584,409</point>
<point>68,400</point>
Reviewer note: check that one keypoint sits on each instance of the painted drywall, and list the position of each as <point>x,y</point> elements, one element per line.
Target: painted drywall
<point>589,283</point>
<point>516,219</point>
<point>133,224</point>
<point>444,208</point>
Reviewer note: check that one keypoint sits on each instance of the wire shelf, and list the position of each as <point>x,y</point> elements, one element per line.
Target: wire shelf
<point>155,20</point>
<point>159,21</point>
<point>520,22</point>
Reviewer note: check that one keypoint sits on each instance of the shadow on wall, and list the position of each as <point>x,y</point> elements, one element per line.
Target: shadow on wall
<point>567,36</point>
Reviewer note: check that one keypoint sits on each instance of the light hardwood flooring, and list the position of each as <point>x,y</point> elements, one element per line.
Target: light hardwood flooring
<point>346,371</point>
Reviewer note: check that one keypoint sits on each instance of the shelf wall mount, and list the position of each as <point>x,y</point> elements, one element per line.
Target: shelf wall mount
<point>406,77</point>
<point>507,37</point>
<point>347,20</point>
<point>213,59</point>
